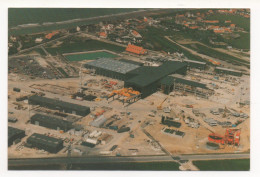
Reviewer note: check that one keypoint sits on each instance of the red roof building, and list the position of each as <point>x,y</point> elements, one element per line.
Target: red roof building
<point>136,49</point>
<point>135,33</point>
<point>50,35</point>
<point>194,27</point>
<point>219,31</point>
<point>227,21</point>
<point>211,21</point>
<point>103,34</point>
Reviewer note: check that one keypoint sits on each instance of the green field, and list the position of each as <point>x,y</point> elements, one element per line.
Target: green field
<point>158,166</point>
<point>156,37</point>
<point>71,45</point>
<point>223,165</point>
<point>89,56</point>
<point>19,16</point>
<point>242,42</point>
<point>215,54</point>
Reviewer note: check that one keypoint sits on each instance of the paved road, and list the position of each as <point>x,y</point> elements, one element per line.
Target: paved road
<point>101,159</point>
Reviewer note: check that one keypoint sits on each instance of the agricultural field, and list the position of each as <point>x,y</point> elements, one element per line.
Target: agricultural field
<point>223,165</point>
<point>89,56</point>
<point>78,46</point>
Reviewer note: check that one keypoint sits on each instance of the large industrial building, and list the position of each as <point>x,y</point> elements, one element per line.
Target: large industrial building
<point>14,134</point>
<point>51,122</point>
<point>147,79</point>
<point>111,68</point>
<point>59,105</point>
<point>178,82</point>
<point>50,144</point>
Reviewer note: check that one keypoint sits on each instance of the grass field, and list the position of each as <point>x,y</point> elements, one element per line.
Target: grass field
<point>215,54</point>
<point>223,165</point>
<point>156,37</point>
<point>158,166</point>
<point>243,42</point>
<point>78,46</point>
<point>89,56</point>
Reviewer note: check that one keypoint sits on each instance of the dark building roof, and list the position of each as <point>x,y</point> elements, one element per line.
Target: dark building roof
<point>43,139</point>
<point>58,103</point>
<point>149,75</point>
<point>52,120</point>
<point>13,132</point>
<point>171,123</point>
<point>169,80</point>
<point>84,143</point>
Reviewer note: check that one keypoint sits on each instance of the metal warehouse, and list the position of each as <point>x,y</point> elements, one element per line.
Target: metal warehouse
<point>51,122</point>
<point>59,105</point>
<point>111,68</point>
<point>148,79</point>
<point>178,82</point>
<point>14,134</point>
<point>50,144</point>
<point>233,72</point>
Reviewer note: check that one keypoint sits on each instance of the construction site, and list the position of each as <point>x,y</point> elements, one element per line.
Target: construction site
<point>137,102</point>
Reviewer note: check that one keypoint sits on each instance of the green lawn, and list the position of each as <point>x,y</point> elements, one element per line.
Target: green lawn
<point>89,56</point>
<point>223,165</point>
<point>158,166</point>
<point>78,46</point>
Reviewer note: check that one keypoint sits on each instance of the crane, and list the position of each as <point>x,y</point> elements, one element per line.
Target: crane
<point>160,106</point>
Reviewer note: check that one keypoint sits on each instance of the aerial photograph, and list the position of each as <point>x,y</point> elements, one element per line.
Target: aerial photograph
<point>139,89</point>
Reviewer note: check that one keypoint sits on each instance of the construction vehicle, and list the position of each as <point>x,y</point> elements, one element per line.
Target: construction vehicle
<point>160,106</point>
<point>231,137</point>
